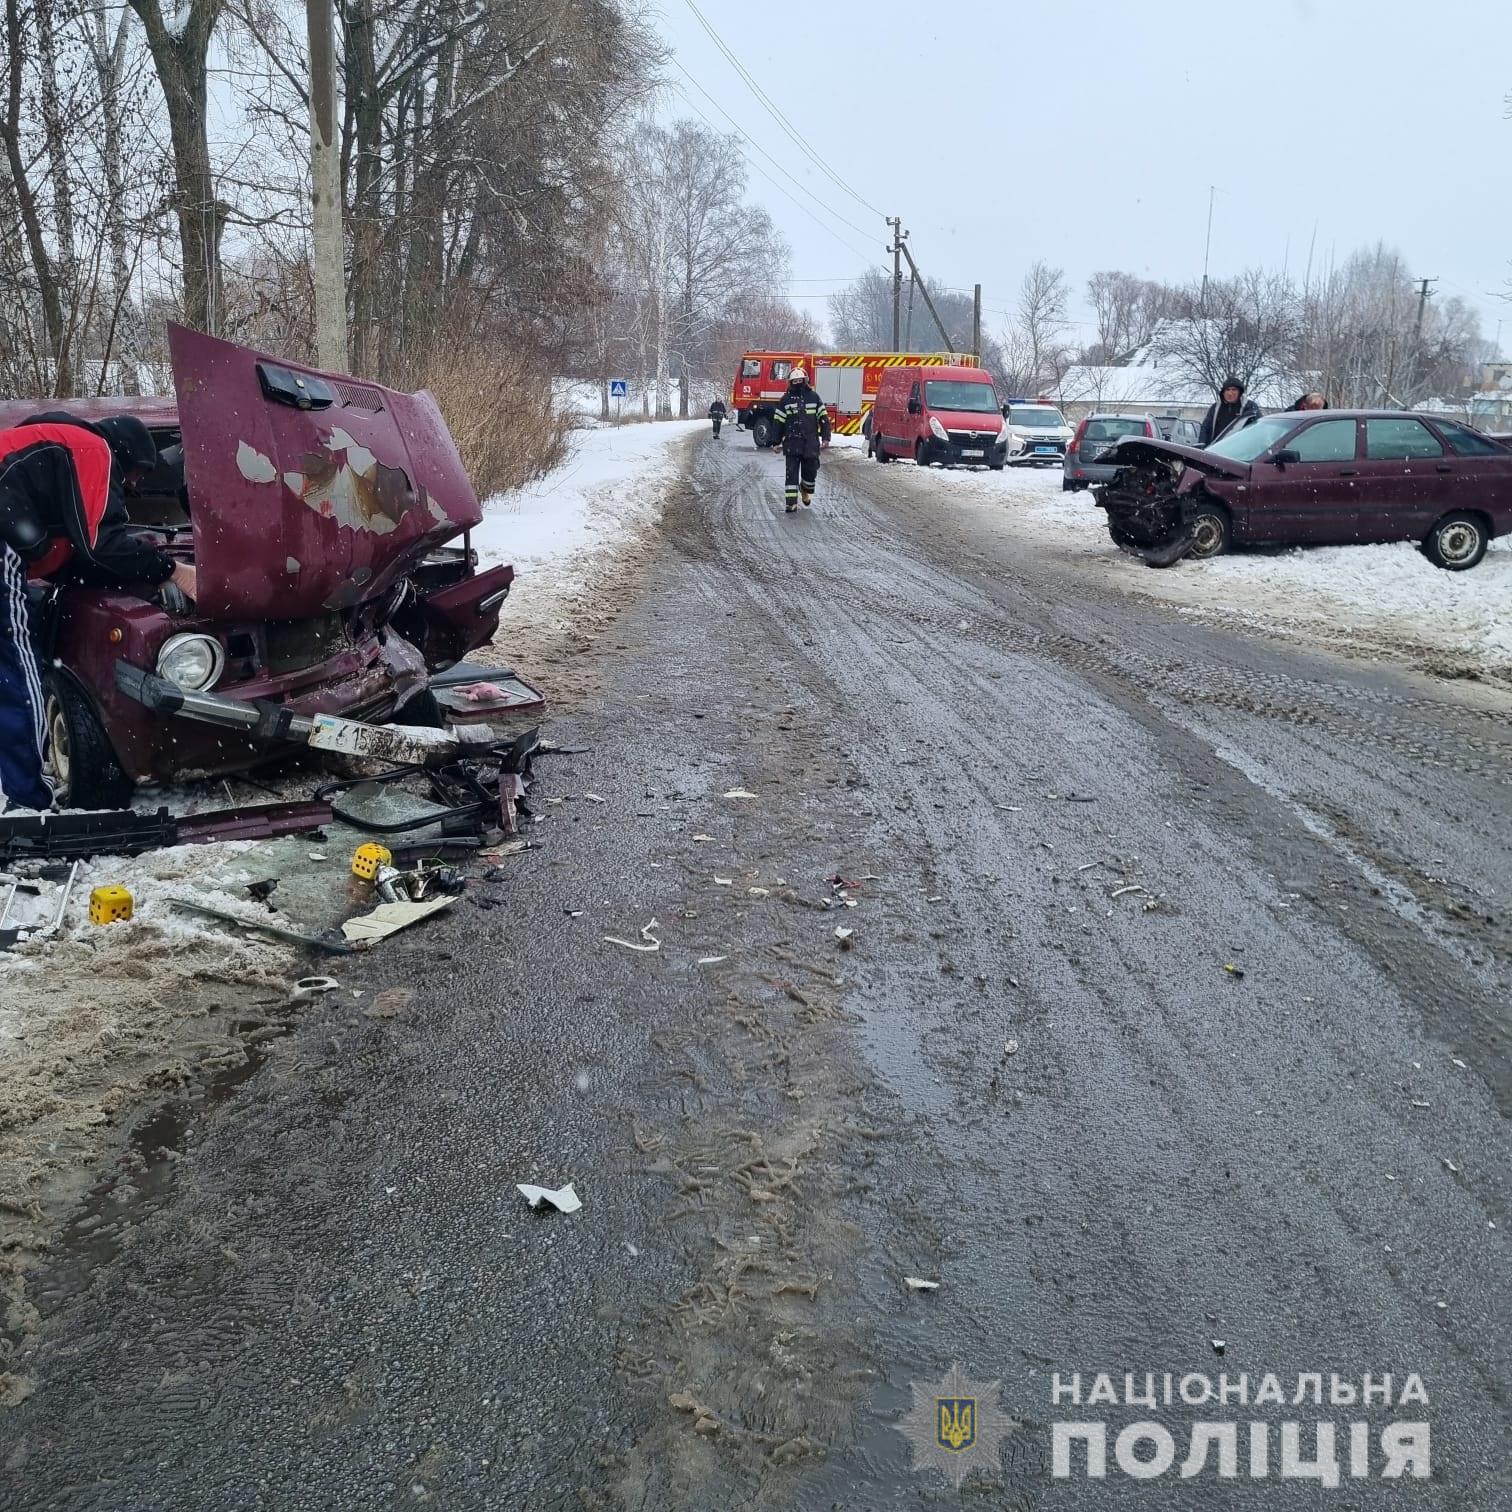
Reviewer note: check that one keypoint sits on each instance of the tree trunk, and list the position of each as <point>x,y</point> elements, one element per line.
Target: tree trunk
<point>125,330</point>
<point>59,378</point>
<point>179,57</point>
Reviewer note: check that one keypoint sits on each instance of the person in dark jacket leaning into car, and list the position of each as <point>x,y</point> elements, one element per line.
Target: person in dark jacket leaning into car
<point>119,554</point>
<point>801,426</point>
<point>62,507</point>
<point>1227,410</point>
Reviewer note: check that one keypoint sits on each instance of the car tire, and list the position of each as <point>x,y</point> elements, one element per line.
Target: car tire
<point>921,453</point>
<point>996,466</point>
<point>80,758</point>
<point>1457,543</point>
<point>880,453</point>
<point>1212,530</point>
<point>761,432</point>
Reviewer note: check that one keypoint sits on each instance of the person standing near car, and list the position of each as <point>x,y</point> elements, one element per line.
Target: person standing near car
<point>54,485</point>
<point>717,414</point>
<point>1227,410</point>
<point>801,424</point>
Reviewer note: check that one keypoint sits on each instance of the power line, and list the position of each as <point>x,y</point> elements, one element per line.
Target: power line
<point>844,242</point>
<point>771,109</point>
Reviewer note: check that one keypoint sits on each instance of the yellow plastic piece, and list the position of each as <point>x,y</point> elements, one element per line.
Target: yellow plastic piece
<point>109,904</point>
<point>368,857</point>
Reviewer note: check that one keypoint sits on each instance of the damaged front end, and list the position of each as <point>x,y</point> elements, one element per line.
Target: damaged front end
<point>327,520</point>
<point>1157,503</point>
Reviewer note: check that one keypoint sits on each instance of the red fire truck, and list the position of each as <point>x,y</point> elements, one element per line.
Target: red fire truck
<point>846,381</point>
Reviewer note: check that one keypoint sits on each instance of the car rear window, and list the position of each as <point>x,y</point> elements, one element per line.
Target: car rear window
<point>1466,442</point>
<point>1400,441</point>
<point>1113,430</point>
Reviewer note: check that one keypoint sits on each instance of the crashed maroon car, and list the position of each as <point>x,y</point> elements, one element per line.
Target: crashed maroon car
<point>1315,478</point>
<point>322,515</point>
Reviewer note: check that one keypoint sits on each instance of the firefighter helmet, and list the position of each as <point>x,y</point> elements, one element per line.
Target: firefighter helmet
<point>798,375</point>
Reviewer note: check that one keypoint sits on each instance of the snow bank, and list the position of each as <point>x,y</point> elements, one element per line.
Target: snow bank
<point>555,530</point>
<point>1387,599</point>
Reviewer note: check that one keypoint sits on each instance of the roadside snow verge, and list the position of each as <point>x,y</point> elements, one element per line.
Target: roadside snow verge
<point>562,531</point>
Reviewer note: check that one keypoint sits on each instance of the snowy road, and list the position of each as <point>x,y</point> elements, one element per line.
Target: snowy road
<point>1170,1036</point>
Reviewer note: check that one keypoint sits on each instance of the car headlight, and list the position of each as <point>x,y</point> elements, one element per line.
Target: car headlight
<point>191,662</point>
<point>938,429</point>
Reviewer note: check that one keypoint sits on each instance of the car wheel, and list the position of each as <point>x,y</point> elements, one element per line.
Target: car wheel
<point>761,432</point>
<point>879,453</point>
<point>996,466</point>
<point>1456,543</point>
<point>1211,530</point>
<point>921,453</point>
<point>80,759</point>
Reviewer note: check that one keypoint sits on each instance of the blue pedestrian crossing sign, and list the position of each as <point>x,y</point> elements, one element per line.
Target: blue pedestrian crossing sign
<point>618,388</point>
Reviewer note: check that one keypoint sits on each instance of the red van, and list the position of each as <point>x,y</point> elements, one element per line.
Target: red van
<point>939,414</point>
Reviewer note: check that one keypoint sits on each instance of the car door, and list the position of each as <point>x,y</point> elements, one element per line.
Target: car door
<point>1482,472</point>
<point>1407,480</point>
<point>1312,501</point>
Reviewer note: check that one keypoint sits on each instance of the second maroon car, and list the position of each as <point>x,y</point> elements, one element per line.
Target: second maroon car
<point>1327,477</point>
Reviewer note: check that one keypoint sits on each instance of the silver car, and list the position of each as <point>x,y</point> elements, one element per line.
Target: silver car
<point>1083,465</point>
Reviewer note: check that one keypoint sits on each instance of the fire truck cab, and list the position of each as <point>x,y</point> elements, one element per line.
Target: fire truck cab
<point>846,381</point>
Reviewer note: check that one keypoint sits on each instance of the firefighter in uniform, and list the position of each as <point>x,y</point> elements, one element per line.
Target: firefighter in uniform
<point>717,413</point>
<point>802,427</point>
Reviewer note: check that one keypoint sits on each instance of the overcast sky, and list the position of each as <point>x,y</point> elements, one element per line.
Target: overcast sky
<point>1088,132</point>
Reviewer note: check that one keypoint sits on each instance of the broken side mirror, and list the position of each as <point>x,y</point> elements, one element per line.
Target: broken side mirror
<point>300,390</point>
<point>1281,458</point>
<point>913,407</point>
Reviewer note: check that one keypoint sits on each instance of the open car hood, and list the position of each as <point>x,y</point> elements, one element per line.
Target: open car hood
<point>309,491</point>
<point>1133,450</point>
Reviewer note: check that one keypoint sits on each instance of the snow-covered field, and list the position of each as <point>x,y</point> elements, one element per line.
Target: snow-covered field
<point>1381,600</point>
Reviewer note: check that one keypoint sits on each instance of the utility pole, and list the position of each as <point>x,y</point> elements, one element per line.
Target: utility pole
<point>1207,246</point>
<point>328,256</point>
<point>1423,292</point>
<point>976,322</point>
<point>913,268</point>
<point>913,283</point>
<point>896,222</point>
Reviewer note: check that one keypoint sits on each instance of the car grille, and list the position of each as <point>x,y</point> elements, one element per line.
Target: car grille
<point>973,438</point>
<point>296,644</point>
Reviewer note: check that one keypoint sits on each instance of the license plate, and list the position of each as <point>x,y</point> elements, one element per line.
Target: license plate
<point>968,452</point>
<point>1044,451</point>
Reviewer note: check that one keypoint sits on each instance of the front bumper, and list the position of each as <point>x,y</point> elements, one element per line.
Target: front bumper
<point>1035,450</point>
<point>963,450</point>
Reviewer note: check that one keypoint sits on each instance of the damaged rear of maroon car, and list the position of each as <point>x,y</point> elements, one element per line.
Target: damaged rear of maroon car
<point>326,519</point>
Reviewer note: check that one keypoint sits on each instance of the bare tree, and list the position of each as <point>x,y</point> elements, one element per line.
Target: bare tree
<point>1247,327</point>
<point>724,252</point>
<point>1035,345</point>
<point>179,42</point>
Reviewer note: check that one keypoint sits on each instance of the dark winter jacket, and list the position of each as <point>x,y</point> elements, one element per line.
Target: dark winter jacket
<point>54,481</point>
<point>118,554</point>
<point>1222,417</point>
<point>801,422</point>
<point>717,410</point>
